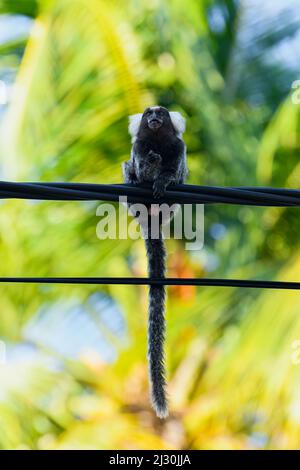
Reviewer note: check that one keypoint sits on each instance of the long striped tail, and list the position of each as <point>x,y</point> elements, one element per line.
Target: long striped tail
<point>156,327</point>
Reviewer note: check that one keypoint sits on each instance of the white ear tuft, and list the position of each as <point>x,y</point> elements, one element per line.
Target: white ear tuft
<point>178,122</point>
<point>134,124</point>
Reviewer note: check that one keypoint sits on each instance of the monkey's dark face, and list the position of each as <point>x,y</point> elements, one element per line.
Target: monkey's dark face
<point>156,117</point>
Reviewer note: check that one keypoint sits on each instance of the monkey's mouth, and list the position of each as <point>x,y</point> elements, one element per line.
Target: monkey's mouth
<point>154,124</point>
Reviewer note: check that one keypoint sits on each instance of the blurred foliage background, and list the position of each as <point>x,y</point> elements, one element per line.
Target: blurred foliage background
<point>73,358</point>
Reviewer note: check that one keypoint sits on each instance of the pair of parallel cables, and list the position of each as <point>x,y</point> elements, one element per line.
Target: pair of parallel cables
<point>183,194</point>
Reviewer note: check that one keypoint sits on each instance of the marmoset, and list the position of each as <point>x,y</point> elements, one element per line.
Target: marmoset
<point>158,156</point>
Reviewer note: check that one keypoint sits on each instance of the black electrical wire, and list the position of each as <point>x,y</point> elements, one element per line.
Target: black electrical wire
<point>143,281</point>
<point>183,194</point>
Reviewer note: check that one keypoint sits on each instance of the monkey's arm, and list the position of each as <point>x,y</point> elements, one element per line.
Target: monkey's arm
<point>160,184</point>
<point>175,173</point>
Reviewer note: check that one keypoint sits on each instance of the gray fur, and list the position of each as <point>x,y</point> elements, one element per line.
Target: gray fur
<point>158,156</point>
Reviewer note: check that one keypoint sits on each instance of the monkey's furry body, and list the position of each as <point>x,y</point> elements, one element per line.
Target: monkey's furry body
<point>158,156</point>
